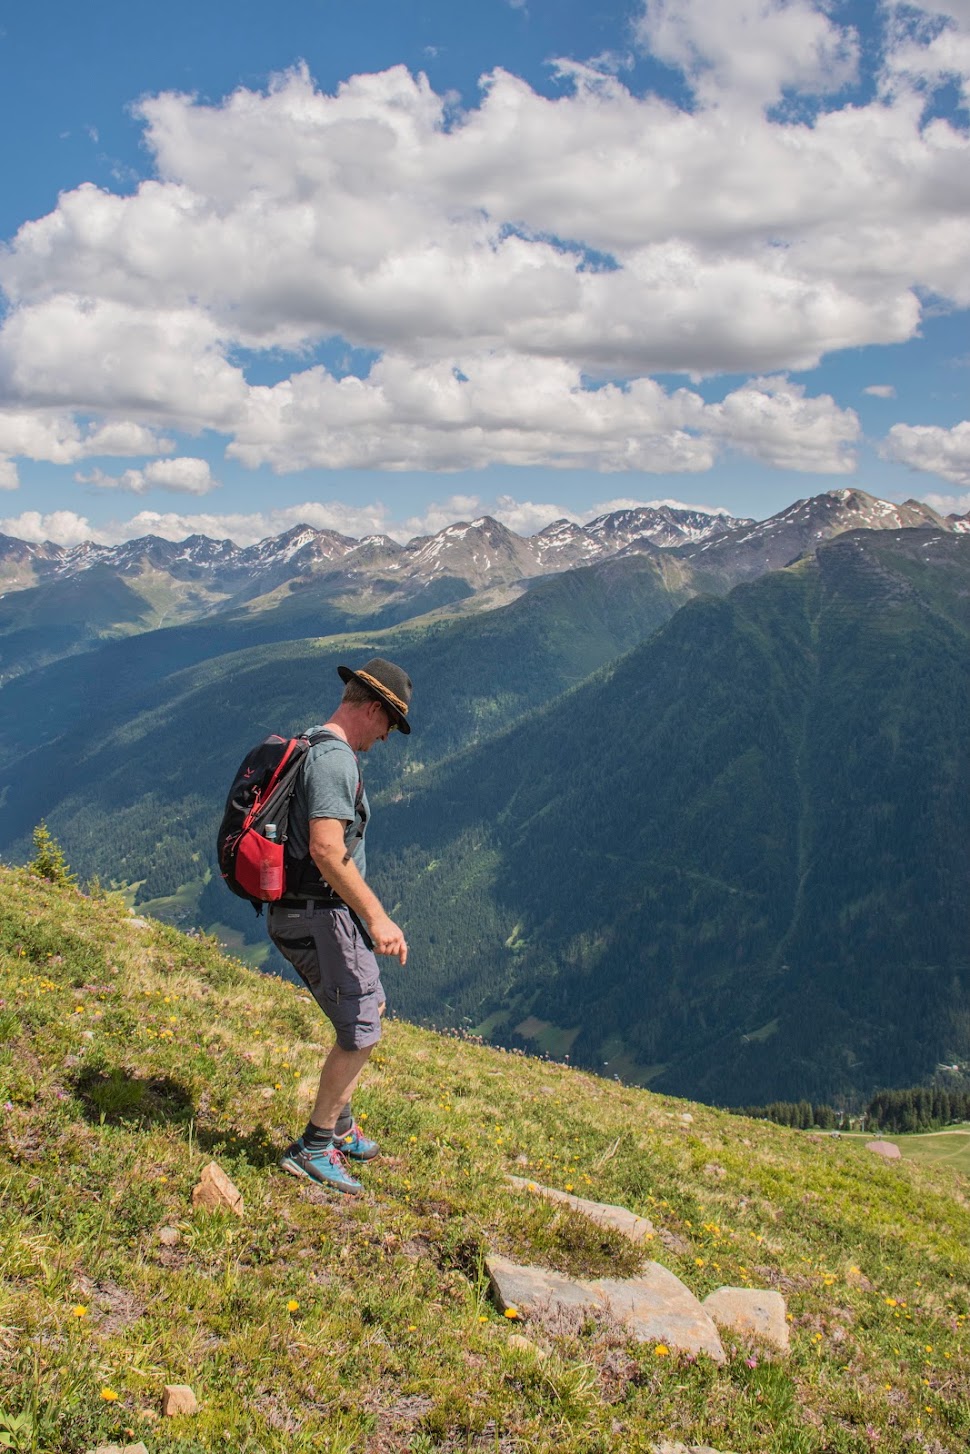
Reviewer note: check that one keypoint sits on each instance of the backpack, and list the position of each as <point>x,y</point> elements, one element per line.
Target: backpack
<point>252,865</point>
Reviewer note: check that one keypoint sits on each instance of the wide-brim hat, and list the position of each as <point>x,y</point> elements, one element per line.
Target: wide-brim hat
<point>389,683</point>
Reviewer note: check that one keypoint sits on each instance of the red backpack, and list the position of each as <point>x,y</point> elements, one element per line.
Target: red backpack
<point>252,863</point>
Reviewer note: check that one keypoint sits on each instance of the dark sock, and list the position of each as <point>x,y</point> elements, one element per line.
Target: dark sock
<point>315,1138</point>
<point>345,1121</point>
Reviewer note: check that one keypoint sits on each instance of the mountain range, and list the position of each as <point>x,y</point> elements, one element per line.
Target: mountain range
<point>681,795</point>
<point>59,600</point>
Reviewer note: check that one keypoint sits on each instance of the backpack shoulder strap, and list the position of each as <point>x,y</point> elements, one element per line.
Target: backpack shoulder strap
<point>321,735</point>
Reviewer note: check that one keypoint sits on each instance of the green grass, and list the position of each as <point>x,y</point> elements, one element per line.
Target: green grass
<point>949,1147</point>
<point>130,1057</point>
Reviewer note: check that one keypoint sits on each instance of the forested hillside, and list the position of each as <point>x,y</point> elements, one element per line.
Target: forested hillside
<point>131,768</point>
<point>737,862</point>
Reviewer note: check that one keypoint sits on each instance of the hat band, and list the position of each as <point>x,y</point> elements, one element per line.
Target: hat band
<point>365,676</point>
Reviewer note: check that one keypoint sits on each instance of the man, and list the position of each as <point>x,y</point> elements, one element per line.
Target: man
<point>330,925</point>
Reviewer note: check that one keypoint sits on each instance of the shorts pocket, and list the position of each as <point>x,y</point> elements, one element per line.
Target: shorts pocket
<point>302,954</point>
<point>353,971</point>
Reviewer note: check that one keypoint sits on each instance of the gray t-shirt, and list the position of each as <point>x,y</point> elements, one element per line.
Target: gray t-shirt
<point>327,788</point>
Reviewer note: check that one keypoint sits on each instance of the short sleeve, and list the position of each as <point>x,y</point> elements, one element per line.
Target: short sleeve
<point>331,782</point>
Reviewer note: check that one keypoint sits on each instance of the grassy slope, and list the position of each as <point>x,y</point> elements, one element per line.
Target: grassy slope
<point>132,1056</point>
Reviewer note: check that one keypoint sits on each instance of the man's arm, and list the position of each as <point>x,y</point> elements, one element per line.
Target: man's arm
<point>329,853</point>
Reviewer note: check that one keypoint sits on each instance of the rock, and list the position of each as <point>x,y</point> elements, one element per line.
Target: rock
<point>750,1312</point>
<point>888,1149</point>
<point>267,1093</point>
<point>138,923</point>
<point>687,1119</point>
<point>656,1307</point>
<point>618,1218</point>
<point>668,1448</point>
<point>138,1448</point>
<point>653,1307</point>
<point>178,1398</point>
<point>215,1190</point>
<point>526,1345</point>
<point>169,1236</point>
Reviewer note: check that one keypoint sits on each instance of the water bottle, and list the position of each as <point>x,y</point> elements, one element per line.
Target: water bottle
<point>271,866</point>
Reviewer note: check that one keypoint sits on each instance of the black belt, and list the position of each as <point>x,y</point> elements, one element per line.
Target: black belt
<point>308,901</point>
<point>332,903</point>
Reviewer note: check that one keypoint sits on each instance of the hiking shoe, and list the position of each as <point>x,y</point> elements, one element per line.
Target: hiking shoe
<point>326,1166</point>
<point>354,1143</point>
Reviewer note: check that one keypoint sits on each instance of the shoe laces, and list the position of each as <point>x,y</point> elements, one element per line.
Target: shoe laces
<point>338,1158</point>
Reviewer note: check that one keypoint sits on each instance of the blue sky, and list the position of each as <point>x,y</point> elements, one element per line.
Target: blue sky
<point>710,250</point>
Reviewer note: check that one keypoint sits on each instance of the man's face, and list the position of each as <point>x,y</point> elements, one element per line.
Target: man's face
<point>378,725</point>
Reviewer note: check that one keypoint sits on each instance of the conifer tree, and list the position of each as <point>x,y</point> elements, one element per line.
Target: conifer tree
<point>48,861</point>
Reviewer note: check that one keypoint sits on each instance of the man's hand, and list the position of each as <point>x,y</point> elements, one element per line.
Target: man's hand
<point>387,938</point>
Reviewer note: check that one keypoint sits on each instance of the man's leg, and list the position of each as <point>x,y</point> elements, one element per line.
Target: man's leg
<point>338,1080</point>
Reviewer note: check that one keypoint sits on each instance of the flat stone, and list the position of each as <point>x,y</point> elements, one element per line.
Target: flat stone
<point>215,1191</point>
<point>668,1448</point>
<point>657,1308</point>
<point>178,1398</point>
<point>752,1312</point>
<point>687,1119</point>
<point>654,1307</point>
<point>627,1223</point>
<point>169,1236</point>
<point>138,1448</point>
<point>526,1345</point>
<point>534,1289</point>
<point>138,923</point>
<point>885,1148</point>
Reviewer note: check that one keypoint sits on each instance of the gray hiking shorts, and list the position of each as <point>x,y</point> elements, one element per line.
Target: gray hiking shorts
<point>328,952</point>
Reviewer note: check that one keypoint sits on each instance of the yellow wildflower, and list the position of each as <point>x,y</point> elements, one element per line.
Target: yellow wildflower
<point>511,1312</point>
<point>292,1306</point>
<point>80,1311</point>
<point>661,1351</point>
<point>109,1395</point>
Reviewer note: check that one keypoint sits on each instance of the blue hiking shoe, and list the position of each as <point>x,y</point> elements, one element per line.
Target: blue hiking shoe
<point>354,1143</point>
<point>326,1166</point>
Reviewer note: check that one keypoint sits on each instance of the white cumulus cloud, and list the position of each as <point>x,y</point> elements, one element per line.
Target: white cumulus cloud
<point>773,421</point>
<point>9,476</point>
<point>183,475</point>
<point>61,527</point>
<point>750,48</point>
<point>57,437</point>
<point>948,504</point>
<point>880,391</point>
<point>519,270</point>
<point>932,449</point>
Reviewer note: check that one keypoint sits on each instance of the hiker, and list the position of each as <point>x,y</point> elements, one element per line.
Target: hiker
<point>330,925</point>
